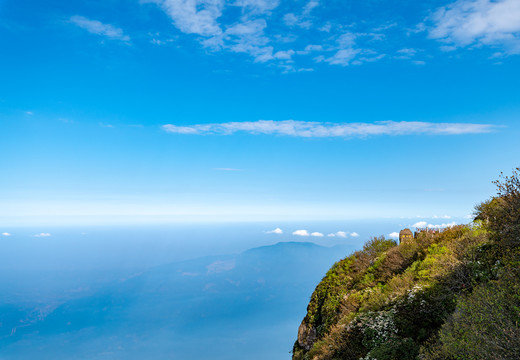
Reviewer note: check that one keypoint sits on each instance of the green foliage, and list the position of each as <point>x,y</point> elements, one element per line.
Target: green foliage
<point>501,215</point>
<point>324,305</point>
<point>411,287</point>
<point>421,312</point>
<point>356,271</point>
<point>378,245</point>
<point>485,324</point>
<point>393,349</point>
<point>452,295</point>
<point>432,265</point>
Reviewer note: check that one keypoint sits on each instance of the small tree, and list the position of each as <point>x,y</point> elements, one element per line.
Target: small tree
<point>502,213</point>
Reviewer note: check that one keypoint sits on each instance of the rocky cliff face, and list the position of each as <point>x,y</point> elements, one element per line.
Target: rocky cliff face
<point>306,336</point>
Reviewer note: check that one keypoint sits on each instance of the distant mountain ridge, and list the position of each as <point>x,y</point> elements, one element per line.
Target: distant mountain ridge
<point>261,288</point>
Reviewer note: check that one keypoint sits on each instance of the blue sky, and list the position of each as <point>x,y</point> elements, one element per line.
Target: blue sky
<point>175,110</point>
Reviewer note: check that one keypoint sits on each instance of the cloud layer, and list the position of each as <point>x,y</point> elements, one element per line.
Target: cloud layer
<point>295,37</point>
<point>274,33</point>
<point>318,129</point>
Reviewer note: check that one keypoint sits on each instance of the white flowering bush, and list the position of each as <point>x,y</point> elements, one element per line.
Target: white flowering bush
<point>377,327</point>
<point>380,337</point>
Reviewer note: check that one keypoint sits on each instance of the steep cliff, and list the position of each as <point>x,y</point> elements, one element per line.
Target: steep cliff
<point>450,295</point>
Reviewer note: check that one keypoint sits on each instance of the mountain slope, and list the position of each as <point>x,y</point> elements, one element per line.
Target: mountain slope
<point>448,295</point>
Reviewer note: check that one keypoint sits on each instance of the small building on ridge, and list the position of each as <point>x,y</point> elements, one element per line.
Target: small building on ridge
<point>405,234</point>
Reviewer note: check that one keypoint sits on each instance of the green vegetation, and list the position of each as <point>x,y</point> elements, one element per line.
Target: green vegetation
<point>449,295</point>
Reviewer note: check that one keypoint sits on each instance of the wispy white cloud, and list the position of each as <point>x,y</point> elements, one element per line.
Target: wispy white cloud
<point>309,49</point>
<point>217,28</point>
<point>202,18</point>
<point>420,224</point>
<point>98,28</point>
<point>354,234</point>
<point>195,16</point>
<point>479,22</point>
<point>290,19</point>
<point>157,39</point>
<point>258,6</point>
<point>342,57</point>
<point>342,234</point>
<point>6,234</point>
<point>303,19</point>
<point>275,231</point>
<point>447,48</point>
<point>424,224</point>
<point>246,37</point>
<point>441,217</point>
<point>284,55</point>
<point>441,226</point>
<point>394,235</point>
<point>319,129</point>
<point>303,232</point>
<point>280,35</point>
<point>42,235</point>
<point>406,53</point>
<point>310,6</point>
<point>409,54</point>
<point>327,27</point>
<point>347,51</point>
